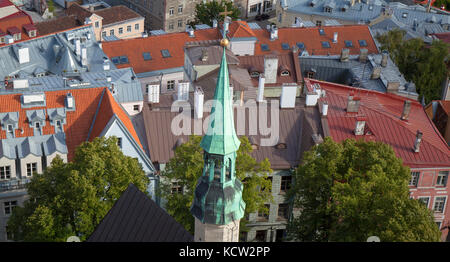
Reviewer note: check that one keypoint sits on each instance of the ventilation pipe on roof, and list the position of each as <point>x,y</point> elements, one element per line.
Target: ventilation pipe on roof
<point>313,96</point>
<point>360,125</point>
<point>198,102</point>
<point>288,95</point>
<point>406,110</point>
<point>335,37</point>
<point>70,103</point>
<point>108,79</point>
<point>24,55</point>
<point>418,141</point>
<point>261,84</point>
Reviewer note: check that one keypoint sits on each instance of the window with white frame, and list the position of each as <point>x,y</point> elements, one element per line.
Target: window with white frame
<point>414,178</point>
<point>10,129</point>
<point>136,26</point>
<point>285,183</point>
<point>5,172</point>
<point>136,108</point>
<point>439,204</point>
<point>424,200</point>
<point>253,8</point>
<point>31,169</point>
<point>318,23</point>
<point>171,26</point>
<point>170,84</point>
<point>180,23</point>
<point>97,24</point>
<point>180,9</point>
<point>9,207</point>
<point>111,32</point>
<point>129,28</point>
<point>283,211</point>
<point>120,30</point>
<point>104,33</point>
<point>119,142</point>
<point>171,11</point>
<point>442,178</point>
<point>177,188</point>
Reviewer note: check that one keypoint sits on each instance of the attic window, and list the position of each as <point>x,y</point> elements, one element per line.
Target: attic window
<point>405,15</point>
<point>115,60</point>
<point>284,73</point>
<point>362,43</point>
<point>147,56</point>
<point>165,53</point>
<point>328,9</point>
<point>321,31</point>
<point>326,44</point>
<point>124,60</point>
<point>285,46</point>
<point>348,43</point>
<point>301,45</point>
<point>254,74</point>
<point>264,47</point>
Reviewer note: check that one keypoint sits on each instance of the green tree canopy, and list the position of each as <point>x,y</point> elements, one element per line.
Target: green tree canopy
<point>205,13</point>
<point>424,65</point>
<point>186,167</point>
<point>352,190</point>
<point>70,199</point>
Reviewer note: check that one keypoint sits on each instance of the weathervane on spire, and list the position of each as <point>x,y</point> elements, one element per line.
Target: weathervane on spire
<point>224,42</point>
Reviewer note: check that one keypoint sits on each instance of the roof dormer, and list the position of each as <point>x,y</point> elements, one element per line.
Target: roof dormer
<point>36,120</point>
<point>9,123</point>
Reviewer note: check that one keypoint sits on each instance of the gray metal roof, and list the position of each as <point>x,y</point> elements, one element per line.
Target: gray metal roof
<point>360,12</point>
<point>7,150</point>
<point>36,145</point>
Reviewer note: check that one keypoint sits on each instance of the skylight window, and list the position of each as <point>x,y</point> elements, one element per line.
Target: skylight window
<point>285,46</point>
<point>165,53</point>
<point>124,60</point>
<point>370,7</point>
<point>321,32</point>
<point>115,60</point>
<point>348,43</point>
<point>405,15</point>
<point>326,44</point>
<point>147,56</point>
<point>362,42</point>
<point>264,47</point>
<point>301,45</point>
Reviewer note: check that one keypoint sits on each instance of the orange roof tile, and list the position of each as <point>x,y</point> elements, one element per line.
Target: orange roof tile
<point>240,29</point>
<point>18,20</point>
<point>108,108</point>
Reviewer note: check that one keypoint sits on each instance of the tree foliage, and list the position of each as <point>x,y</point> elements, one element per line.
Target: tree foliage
<point>186,167</point>
<point>424,65</point>
<point>70,199</point>
<point>205,13</point>
<point>352,190</point>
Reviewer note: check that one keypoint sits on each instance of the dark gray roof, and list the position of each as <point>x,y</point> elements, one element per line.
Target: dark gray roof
<point>135,217</point>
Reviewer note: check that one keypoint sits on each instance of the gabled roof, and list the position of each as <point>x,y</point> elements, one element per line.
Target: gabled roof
<point>57,24</point>
<point>135,217</point>
<point>17,20</point>
<point>240,29</point>
<point>79,12</point>
<point>115,14</point>
<point>382,112</point>
<point>108,109</point>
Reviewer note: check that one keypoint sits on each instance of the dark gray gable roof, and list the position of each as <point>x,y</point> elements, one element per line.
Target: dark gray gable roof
<point>137,218</point>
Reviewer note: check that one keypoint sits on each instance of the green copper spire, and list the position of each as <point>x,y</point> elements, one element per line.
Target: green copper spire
<point>221,138</point>
<point>218,195</point>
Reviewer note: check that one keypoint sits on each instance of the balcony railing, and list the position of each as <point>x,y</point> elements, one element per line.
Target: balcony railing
<point>13,184</point>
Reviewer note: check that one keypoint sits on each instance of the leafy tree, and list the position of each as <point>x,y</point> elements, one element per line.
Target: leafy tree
<point>51,6</point>
<point>207,12</point>
<point>352,190</point>
<point>71,198</point>
<point>424,65</point>
<point>186,167</point>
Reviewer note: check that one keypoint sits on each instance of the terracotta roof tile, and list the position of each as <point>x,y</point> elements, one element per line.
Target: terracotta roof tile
<point>57,24</point>
<point>116,14</point>
<point>240,29</point>
<point>17,20</point>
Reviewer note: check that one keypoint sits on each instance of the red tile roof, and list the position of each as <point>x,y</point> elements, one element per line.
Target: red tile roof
<point>443,36</point>
<point>17,20</point>
<point>174,42</point>
<point>382,112</point>
<point>445,105</point>
<point>108,108</point>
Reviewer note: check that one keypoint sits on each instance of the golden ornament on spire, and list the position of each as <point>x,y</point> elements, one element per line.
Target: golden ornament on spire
<point>224,42</point>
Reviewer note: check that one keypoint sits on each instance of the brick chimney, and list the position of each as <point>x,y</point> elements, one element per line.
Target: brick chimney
<point>384,58</point>
<point>406,110</point>
<point>345,54</point>
<point>352,103</point>
<point>363,52</point>
<point>418,141</point>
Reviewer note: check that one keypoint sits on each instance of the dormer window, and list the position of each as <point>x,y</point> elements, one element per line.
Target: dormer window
<point>10,129</point>
<point>328,10</point>
<point>254,74</point>
<point>284,73</point>
<point>311,73</point>
<point>37,125</point>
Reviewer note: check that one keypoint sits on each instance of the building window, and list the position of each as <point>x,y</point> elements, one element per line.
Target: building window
<point>171,26</point>
<point>254,74</point>
<point>414,178</point>
<point>283,210</point>
<point>177,188</point>
<point>170,84</point>
<point>180,9</point>
<point>136,108</point>
<point>31,169</point>
<point>439,204</point>
<point>9,207</point>
<point>253,8</point>
<point>284,73</point>
<point>328,10</point>
<point>263,215</point>
<point>37,125</point>
<point>442,178</point>
<point>180,23</point>
<point>111,32</point>
<point>318,23</point>
<point>285,183</point>
<point>5,172</point>
<point>310,74</point>
<point>103,33</point>
<point>424,200</point>
<point>260,235</point>
<point>119,142</point>
<point>129,28</point>
<point>438,224</point>
<point>171,11</point>
<point>120,30</point>
<point>136,27</point>
<point>97,24</point>
<point>9,129</point>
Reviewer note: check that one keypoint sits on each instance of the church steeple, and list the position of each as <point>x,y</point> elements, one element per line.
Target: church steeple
<point>218,205</point>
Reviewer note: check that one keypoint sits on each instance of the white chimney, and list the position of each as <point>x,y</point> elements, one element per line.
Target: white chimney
<point>261,84</point>
<point>288,95</point>
<point>273,33</point>
<point>270,68</point>
<point>198,102</point>
<point>324,109</point>
<point>84,56</point>
<point>183,90</point>
<point>33,98</point>
<point>24,55</point>
<point>106,66</point>
<point>360,124</point>
<point>108,79</point>
<point>153,93</point>
<point>335,37</point>
<point>69,100</point>
<point>77,47</point>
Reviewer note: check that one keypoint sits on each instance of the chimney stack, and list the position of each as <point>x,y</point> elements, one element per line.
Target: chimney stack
<point>261,84</point>
<point>360,125</point>
<point>78,47</point>
<point>183,90</point>
<point>273,33</point>
<point>345,53</point>
<point>84,61</point>
<point>352,103</point>
<point>376,72</point>
<point>204,57</point>
<point>406,110</point>
<point>417,142</point>
<point>324,109</point>
<point>198,102</point>
<point>335,37</point>
<point>363,52</point>
<point>384,58</point>
<point>270,68</point>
